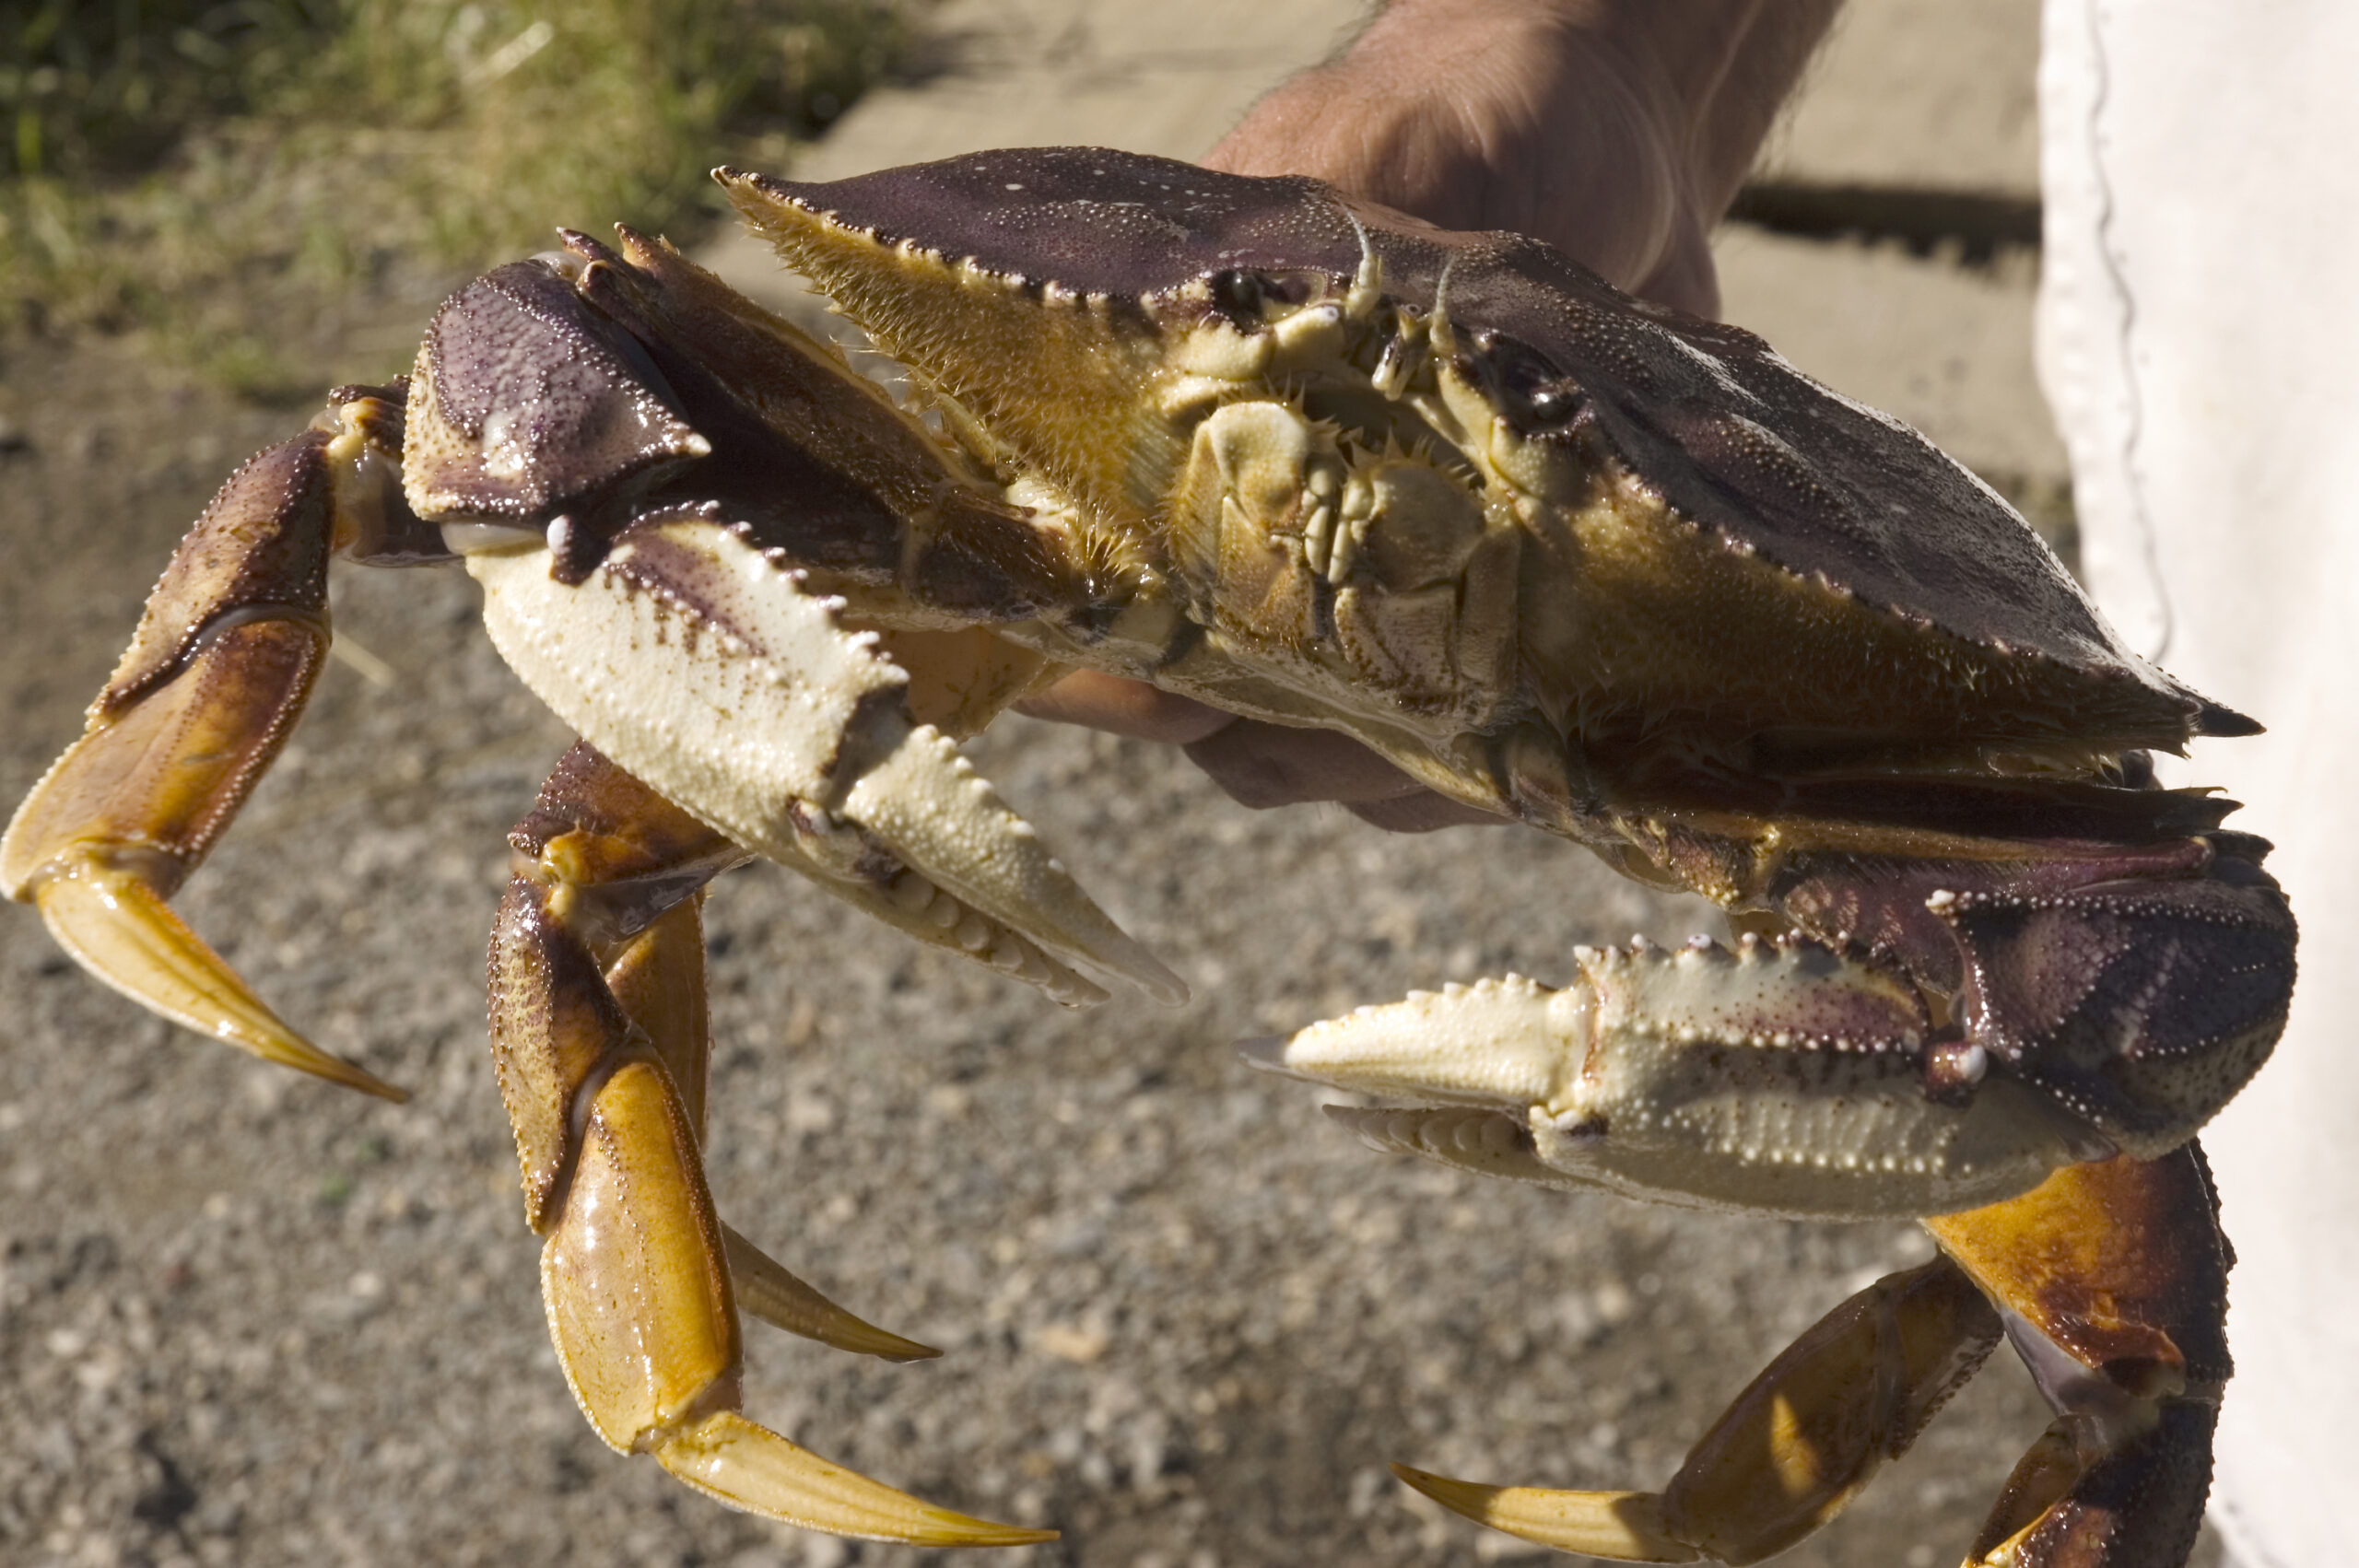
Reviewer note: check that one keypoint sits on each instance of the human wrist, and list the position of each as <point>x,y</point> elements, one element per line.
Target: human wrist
<point>1708,76</point>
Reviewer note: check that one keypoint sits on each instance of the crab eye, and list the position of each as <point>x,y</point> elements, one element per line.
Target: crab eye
<point>1237,293</point>
<point>1553,406</point>
<point>1531,391</point>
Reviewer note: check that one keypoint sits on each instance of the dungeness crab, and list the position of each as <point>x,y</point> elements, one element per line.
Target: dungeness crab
<point>1567,559</point>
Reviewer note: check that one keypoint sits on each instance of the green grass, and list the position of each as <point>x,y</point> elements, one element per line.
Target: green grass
<point>215,174</point>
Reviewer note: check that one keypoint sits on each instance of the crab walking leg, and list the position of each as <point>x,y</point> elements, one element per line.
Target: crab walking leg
<point>599,1033</point>
<point>204,698</point>
<point>1796,1445</point>
<point>2113,1281</point>
<point>658,979</point>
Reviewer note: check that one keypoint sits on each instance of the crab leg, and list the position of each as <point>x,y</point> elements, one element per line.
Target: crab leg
<point>200,705</point>
<point>2112,1279</point>
<point>1796,1445</point>
<point>598,1029</point>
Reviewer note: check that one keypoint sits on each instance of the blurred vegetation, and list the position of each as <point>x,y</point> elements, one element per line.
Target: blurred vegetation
<point>213,171</point>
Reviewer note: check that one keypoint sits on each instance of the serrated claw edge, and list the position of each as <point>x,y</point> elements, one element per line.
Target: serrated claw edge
<point>928,802</point>
<point>764,716</point>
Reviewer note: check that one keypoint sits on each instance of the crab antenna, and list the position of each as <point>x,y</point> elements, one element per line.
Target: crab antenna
<point>1367,282</point>
<point>1438,331</point>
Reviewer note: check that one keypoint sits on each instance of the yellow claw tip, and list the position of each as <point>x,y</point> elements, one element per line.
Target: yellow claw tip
<point>1466,1497</point>
<point>118,927</point>
<point>983,1533</point>
<point>850,1334</point>
<point>889,1346</point>
<point>764,1289</point>
<point>1626,1526</point>
<point>749,1466</point>
<point>339,1071</point>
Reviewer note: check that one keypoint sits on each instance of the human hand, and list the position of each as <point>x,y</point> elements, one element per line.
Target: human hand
<point>1477,114</point>
<point>1617,130</point>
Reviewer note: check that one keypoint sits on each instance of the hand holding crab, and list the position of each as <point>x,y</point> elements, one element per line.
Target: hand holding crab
<point>1617,574</point>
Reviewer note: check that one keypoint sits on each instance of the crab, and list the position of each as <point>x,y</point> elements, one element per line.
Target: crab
<point>1563,558</point>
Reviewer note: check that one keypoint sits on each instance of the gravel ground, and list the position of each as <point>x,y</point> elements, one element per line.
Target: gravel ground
<point>246,1319</point>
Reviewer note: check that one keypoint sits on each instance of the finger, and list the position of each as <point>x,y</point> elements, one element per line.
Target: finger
<point>1126,708</point>
<point>1263,766</point>
<point>1687,279</point>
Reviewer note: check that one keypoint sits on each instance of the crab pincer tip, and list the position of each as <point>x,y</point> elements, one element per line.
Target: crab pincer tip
<point>1624,1526</point>
<point>1267,1053</point>
<point>749,1466</point>
<point>118,927</point>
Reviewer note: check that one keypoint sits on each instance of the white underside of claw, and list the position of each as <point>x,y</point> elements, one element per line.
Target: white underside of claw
<point>1787,1080</point>
<point>722,682</point>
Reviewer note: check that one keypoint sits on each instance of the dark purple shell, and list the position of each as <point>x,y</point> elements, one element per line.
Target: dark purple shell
<point>1732,436</point>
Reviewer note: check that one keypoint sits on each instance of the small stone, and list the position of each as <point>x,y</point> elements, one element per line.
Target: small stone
<point>1078,1343</point>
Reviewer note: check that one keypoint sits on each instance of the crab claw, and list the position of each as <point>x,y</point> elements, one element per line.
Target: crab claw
<point>730,688</point>
<point>224,659</point>
<point>1768,1077</point>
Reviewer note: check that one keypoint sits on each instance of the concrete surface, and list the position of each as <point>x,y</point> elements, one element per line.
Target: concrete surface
<point>248,1320</point>
<point>1919,95</point>
<point>1926,98</point>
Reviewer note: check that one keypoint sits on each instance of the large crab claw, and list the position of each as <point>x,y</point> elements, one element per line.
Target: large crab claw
<point>672,656</point>
<point>1785,1076</point>
<point>689,639</point>
<point>1776,1076</point>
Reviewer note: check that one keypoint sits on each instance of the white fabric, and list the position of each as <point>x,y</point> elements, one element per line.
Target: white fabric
<point>2199,340</point>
